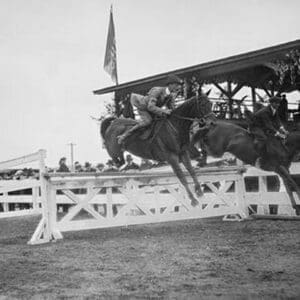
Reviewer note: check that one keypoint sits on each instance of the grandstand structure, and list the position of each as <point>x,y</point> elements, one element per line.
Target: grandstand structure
<point>273,70</point>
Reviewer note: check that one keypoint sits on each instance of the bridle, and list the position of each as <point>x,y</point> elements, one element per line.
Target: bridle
<point>197,120</point>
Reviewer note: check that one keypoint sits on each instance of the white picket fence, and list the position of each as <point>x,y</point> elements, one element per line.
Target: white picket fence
<point>10,203</point>
<point>263,201</point>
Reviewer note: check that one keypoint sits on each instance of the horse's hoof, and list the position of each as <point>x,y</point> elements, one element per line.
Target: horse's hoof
<point>194,203</point>
<point>120,140</point>
<point>199,192</point>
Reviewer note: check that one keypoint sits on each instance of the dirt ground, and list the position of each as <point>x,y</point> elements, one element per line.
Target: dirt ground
<point>197,259</point>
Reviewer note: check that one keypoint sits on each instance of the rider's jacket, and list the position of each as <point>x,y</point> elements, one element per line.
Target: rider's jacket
<point>266,120</point>
<point>154,100</point>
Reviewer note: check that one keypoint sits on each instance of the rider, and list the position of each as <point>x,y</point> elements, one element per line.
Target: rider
<point>266,123</point>
<point>151,104</point>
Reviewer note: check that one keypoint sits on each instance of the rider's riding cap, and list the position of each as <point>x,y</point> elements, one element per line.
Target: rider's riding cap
<point>173,79</point>
<point>275,99</point>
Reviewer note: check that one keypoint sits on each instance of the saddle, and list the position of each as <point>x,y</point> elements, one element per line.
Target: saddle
<point>149,132</point>
<point>272,150</point>
<point>146,132</point>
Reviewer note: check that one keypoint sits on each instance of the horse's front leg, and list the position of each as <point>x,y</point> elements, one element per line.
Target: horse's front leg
<point>289,182</point>
<point>186,160</point>
<point>173,160</point>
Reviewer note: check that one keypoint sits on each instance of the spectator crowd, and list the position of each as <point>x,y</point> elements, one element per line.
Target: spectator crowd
<point>25,173</point>
<point>109,166</point>
<point>87,167</point>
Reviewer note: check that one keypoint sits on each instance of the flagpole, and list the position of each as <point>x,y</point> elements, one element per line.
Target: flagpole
<point>116,75</point>
<point>117,80</point>
<point>110,59</point>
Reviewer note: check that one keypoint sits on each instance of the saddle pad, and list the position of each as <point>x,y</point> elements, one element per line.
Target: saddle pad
<point>152,130</point>
<point>149,131</point>
<point>146,133</point>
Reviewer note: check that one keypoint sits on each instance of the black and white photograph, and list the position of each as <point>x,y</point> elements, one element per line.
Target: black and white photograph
<point>149,149</point>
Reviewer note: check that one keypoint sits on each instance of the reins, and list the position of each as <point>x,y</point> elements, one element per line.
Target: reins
<point>194,119</point>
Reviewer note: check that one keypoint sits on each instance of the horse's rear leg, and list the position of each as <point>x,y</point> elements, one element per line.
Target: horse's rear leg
<point>173,160</point>
<point>289,182</point>
<point>115,151</point>
<point>188,165</point>
<point>119,160</point>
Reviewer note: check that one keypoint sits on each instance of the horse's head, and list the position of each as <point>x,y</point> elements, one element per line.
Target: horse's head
<point>293,143</point>
<point>203,106</point>
<point>197,107</point>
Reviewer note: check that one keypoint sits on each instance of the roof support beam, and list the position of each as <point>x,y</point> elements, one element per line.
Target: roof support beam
<point>253,93</point>
<point>229,93</point>
<point>226,93</point>
<point>238,88</point>
<point>230,101</point>
<point>266,90</point>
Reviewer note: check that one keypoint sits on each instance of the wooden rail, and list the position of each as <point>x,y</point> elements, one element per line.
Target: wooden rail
<point>146,198</point>
<point>7,186</point>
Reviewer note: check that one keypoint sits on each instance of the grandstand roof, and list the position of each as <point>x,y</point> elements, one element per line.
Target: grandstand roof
<point>255,68</point>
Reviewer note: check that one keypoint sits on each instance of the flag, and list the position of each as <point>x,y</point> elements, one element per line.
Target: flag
<point>110,60</point>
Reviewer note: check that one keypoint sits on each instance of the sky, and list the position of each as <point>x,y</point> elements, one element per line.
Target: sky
<point>52,54</point>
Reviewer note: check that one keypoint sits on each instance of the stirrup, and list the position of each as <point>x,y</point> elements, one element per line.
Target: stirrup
<point>257,163</point>
<point>121,138</point>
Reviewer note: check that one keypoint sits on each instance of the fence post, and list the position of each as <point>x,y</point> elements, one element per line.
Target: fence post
<point>6,187</point>
<point>241,190</point>
<point>5,204</point>
<point>262,187</point>
<point>47,230</point>
<point>35,197</point>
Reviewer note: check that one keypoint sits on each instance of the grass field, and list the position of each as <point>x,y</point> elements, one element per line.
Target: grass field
<point>197,259</point>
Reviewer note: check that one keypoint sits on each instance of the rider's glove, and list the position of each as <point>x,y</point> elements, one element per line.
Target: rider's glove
<point>280,135</point>
<point>167,111</point>
<point>283,130</point>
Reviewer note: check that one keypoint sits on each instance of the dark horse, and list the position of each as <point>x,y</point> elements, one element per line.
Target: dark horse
<point>219,137</point>
<point>169,139</point>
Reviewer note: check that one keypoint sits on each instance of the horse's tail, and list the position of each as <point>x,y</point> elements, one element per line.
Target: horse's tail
<point>104,125</point>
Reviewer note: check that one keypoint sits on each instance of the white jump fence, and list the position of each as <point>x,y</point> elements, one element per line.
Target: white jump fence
<point>270,198</point>
<point>7,186</point>
<point>98,200</point>
<point>129,199</point>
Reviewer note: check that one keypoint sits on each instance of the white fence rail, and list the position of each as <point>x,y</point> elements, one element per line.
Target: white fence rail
<point>269,201</point>
<point>263,200</point>
<point>139,198</point>
<point>11,204</point>
<point>124,198</point>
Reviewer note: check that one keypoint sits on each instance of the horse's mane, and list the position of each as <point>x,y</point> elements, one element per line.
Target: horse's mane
<point>188,104</point>
<point>233,125</point>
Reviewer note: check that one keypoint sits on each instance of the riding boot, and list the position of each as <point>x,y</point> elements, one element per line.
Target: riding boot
<point>260,147</point>
<point>262,150</point>
<point>257,145</point>
<point>127,133</point>
<point>258,163</point>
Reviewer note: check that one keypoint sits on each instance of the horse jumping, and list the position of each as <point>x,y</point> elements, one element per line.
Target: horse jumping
<point>168,141</point>
<point>219,137</point>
